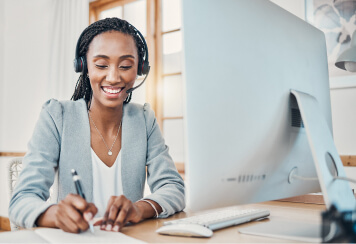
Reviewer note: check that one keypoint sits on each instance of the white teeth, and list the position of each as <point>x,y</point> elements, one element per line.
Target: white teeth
<point>112,91</point>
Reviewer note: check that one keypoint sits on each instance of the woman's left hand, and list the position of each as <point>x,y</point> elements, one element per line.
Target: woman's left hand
<point>119,211</point>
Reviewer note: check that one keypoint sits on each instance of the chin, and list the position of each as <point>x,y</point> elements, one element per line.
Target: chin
<point>108,103</point>
<point>113,104</point>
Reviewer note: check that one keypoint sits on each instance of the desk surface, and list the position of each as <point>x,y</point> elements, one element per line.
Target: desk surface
<point>145,231</point>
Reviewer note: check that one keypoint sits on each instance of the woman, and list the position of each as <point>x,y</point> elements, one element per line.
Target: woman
<point>105,138</point>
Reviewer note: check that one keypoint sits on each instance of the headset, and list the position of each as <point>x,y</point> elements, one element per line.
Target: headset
<point>80,63</point>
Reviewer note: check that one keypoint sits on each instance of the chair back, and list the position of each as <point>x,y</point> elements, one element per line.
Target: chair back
<point>14,169</point>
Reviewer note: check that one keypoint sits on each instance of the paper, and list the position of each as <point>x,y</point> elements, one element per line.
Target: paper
<point>21,236</point>
<point>50,235</point>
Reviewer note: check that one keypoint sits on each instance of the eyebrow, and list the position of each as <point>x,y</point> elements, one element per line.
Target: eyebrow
<point>121,57</point>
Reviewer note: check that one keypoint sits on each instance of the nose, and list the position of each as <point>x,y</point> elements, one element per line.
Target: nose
<point>113,75</point>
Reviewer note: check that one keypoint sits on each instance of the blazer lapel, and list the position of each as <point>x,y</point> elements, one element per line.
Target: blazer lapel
<point>84,159</point>
<point>75,151</point>
<point>133,151</point>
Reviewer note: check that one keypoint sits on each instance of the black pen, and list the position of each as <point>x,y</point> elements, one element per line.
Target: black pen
<point>80,192</point>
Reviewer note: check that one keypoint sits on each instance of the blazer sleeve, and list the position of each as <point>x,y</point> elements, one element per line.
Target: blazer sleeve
<point>165,183</point>
<point>28,200</point>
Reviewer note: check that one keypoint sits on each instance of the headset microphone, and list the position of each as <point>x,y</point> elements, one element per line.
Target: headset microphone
<point>134,88</point>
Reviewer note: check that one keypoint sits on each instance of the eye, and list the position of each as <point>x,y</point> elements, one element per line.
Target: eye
<point>101,66</point>
<point>125,67</point>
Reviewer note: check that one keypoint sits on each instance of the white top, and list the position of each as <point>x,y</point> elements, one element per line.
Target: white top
<point>107,182</point>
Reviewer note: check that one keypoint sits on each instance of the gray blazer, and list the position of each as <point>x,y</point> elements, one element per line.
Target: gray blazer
<point>61,141</point>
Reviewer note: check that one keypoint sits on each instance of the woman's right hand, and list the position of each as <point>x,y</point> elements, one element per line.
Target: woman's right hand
<point>71,214</point>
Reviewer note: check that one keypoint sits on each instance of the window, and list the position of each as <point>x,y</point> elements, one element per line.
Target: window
<point>171,115</point>
<point>160,22</point>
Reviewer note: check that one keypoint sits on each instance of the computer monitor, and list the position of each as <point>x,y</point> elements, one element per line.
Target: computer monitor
<point>245,137</point>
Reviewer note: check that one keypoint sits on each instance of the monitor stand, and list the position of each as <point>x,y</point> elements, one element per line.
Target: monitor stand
<point>326,158</point>
<point>328,165</point>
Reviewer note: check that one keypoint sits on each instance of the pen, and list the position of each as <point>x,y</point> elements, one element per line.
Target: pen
<point>80,192</point>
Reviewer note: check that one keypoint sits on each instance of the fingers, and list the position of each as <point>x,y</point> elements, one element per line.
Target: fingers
<point>118,212</point>
<point>123,215</point>
<point>113,212</point>
<point>77,202</point>
<point>67,225</point>
<point>106,215</point>
<point>69,216</point>
<point>72,209</point>
<point>90,212</point>
<point>98,222</point>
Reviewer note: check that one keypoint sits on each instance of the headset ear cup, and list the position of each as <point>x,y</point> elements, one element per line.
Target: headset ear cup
<point>80,64</point>
<point>139,68</point>
<point>84,64</point>
<point>146,68</point>
<point>77,65</point>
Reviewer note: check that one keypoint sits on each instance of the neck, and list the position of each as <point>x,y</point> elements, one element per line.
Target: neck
<point>106,119</point>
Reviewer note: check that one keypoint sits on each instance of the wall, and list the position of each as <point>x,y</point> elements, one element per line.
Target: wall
<point>344,119</point>
<point>2,48</point>
<point>39,54</point>
<point>343,106</point>
<point>3,177</point>
<point>296,7</point>
<point>26,35</point>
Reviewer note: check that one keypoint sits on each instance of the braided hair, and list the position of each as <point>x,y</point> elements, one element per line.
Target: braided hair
<point>83,88</point>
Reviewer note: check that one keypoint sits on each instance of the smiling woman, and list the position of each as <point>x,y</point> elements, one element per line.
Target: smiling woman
<point>131,42</point>
<point>107,139</point>
<point>112,68</point>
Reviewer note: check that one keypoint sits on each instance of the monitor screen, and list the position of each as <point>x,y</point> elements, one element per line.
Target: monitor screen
<point>243,129</point>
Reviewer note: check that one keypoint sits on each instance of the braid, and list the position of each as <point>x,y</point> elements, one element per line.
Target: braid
<point>83,88</point>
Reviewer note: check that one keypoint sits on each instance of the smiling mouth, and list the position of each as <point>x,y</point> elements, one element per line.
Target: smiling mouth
<point>112,90</point>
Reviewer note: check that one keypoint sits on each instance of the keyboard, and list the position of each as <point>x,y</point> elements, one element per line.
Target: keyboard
<point>223,217</point>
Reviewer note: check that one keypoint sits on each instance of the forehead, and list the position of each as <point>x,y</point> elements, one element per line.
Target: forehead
<point>113,42</point>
